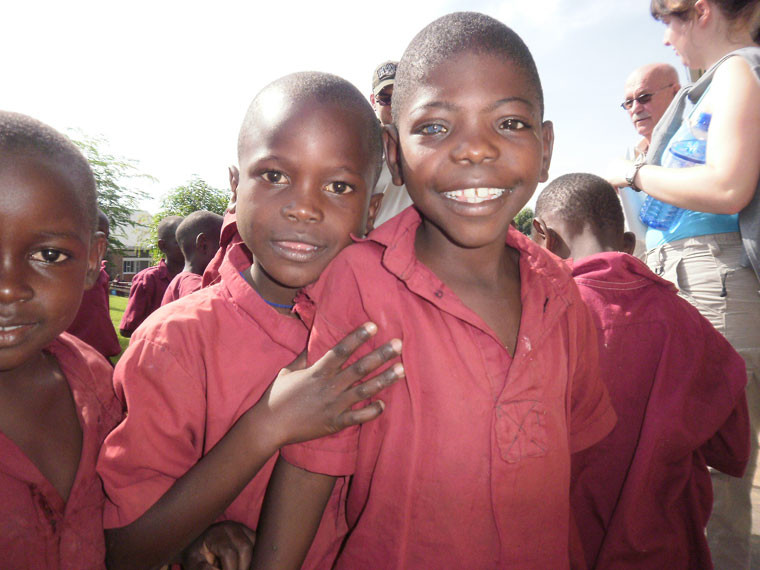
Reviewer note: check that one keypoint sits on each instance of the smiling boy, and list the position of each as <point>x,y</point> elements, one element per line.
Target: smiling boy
<point>309,152</point>
<point>469,466</point>
<point>56,399</point>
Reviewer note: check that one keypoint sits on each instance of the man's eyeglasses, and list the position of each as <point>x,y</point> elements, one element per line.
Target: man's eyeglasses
<point>642,99</point>
<point>383,98</point>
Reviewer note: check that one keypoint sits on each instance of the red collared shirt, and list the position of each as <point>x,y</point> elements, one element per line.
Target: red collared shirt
<point>145,295</point>
<point>183,284</point>
<point>643,495</point>
<point>37,529</point>
<point>469,465</point>
<point>93,321</point>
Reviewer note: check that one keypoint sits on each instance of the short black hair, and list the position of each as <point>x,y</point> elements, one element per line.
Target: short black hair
<point>200,221</point>
<point>583,199</point>
<point>167,227</point>
<point>22,135</point>
<point>322,88</point>
<point>451,35</point>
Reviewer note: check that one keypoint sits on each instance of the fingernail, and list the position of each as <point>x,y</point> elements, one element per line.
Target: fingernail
<point>396,344</point>
<point>398,369</point>
<point>371,328</point>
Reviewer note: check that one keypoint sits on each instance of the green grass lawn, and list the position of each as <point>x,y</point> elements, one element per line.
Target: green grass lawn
<point>118,304</point>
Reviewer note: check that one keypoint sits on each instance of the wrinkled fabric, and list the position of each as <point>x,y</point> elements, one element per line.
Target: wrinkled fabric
<point>469,464</point>
<point>37,529</point>
<point>642,496</point>
<point>183,284</point>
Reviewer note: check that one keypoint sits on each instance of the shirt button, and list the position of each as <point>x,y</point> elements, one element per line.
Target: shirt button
<point>438,293</point>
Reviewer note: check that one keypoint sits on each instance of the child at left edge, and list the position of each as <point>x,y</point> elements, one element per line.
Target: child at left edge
<point>469,465</point>
<point>56,398</point>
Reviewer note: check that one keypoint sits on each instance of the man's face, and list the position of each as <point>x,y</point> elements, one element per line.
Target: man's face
<point>382,105</point>
<point>645,115</point>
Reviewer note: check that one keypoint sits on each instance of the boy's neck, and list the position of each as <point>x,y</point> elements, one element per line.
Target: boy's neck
<point>174,267</point>
<point>280,298</point>
<point>196,266</point>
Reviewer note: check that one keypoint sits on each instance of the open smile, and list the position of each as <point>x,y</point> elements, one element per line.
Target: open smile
<point>475,195</point>
<point>12,335</point>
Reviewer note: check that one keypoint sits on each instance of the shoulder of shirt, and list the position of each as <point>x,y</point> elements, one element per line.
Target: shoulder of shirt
<point>188,316</point>
<point>545,266</point>
<point>94,373</point>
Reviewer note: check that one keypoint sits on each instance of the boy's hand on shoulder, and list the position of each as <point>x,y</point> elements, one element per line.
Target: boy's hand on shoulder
<point>227,545</point>
<point>308,403</point>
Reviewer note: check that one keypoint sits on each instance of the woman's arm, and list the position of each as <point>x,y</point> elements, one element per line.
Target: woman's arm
<point>727,181</point>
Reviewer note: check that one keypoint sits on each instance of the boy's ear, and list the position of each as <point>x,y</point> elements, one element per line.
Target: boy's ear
<point>374,207</point>
<point>97,251</point>
<point>629,243</point>
<point>201,243</point>
<point>234,175</point>
<point>547,134</point>
<point>549,239</point>
<point>393,153</point>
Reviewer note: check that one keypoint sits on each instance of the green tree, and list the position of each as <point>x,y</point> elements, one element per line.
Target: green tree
<point>116,197</point>
<point>195,195</point>
<point>524,220</point>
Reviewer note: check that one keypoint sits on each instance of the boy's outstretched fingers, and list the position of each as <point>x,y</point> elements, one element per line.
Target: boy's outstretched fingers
<point>367,390</point>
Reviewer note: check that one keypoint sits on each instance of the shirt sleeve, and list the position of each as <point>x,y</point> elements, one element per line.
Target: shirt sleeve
<point>335,305</point>
<point>591,414</point>
<point>162,435</point>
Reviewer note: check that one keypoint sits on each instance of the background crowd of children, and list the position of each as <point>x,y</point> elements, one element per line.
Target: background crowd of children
<point>305,387</point>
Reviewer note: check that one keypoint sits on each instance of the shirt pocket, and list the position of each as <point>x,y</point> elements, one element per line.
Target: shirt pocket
<point>521,430</point>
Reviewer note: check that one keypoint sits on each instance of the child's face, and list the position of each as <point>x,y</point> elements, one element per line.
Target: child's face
<point>47,256</point>
<point>304,186</point>
<point>471,147</point>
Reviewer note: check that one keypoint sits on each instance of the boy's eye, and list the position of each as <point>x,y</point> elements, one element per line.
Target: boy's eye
<point>339,188</point>
<point>512,125</point>
<point>275,177</point>
<point>49,256</point>
<point>434,129</point>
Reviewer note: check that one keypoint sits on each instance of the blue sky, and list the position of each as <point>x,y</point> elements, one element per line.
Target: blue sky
<point>167,83</point>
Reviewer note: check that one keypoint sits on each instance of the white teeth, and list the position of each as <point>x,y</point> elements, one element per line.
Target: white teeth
<point>474,195</point>
<point>11,328</point>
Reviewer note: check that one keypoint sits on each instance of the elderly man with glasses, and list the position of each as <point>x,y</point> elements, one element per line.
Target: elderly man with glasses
<point>648,92</point>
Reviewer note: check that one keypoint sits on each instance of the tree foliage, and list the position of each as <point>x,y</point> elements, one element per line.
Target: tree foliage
<point>112,175</point>
<point>195,195</point>
<point>524,220</point>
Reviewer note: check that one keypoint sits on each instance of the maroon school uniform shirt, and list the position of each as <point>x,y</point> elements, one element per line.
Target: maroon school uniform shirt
<point>183,284</point>
<point>469,464</point>
<point>93,321</point>
<point>642,496</point>
<point>145,295</point>
<point>37,529</point>
<point>190,371</point>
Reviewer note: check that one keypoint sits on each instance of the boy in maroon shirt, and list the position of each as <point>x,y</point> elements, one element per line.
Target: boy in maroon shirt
<point>201,367</point>
<point>642,496</point>
<point>149,285</point>
<point>93,321</point>
<point>198,238</point>
<point>56,397</point>
<point>469,465</point>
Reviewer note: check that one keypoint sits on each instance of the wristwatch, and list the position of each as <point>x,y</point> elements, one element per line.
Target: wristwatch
<point>634,170</point>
